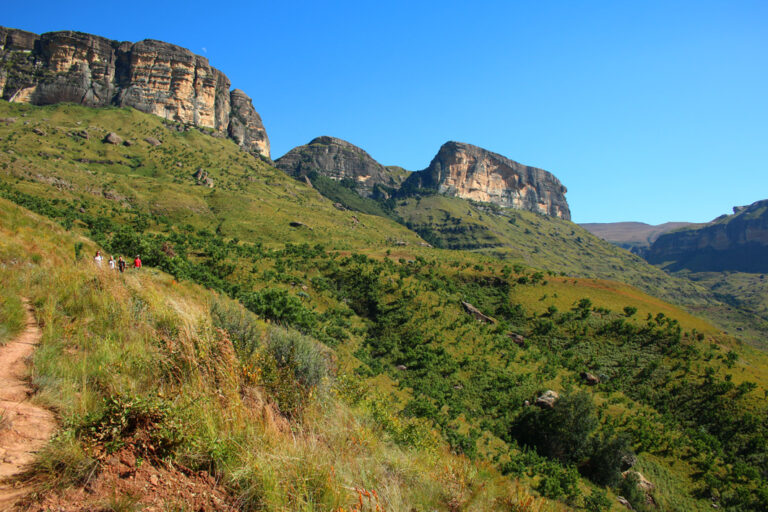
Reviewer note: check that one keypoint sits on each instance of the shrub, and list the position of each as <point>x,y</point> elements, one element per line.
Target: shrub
<point>597,501</point>
<point>279,306</point>
<point>299,353</point>
<point>560,483</point>
<point>562,432</point>
<point>240,324</point>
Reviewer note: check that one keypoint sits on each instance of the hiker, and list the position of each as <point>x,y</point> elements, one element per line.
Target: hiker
<point>121,264</point>
<point>98,258</point>
<point>111,262</point>
<point>137,262</point>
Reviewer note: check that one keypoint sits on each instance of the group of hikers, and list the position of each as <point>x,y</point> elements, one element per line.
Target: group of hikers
<point>118,264</point>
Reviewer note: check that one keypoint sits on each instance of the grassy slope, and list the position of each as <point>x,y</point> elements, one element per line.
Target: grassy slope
<point>542,242</point>
<point>143,338</point>
<point>249,200</point>
<point>414,293</point>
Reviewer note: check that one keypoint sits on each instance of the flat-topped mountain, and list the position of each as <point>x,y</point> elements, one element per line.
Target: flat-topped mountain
<point>338,159</point>
<point>634,236</point>
<point>470,172</point>
<point>152,76</point>
<point>736,242</point>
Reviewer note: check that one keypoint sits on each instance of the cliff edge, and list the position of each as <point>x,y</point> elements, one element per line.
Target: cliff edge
<point>151,76</point>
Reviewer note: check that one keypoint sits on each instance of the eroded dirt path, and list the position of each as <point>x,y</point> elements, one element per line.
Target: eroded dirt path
<point>24,427</point>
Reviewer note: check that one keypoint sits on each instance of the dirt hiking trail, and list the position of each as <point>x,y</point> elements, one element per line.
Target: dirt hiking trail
<point>24,428</point>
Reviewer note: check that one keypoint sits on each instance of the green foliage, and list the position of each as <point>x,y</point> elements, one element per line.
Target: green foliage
<point>597,501</point>
<point>560,483</point>
<point>562,432</point>
<point>150,426</point>
<point>280,306</point>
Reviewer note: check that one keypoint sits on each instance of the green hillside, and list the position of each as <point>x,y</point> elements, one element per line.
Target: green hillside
<point>429,374</point>
<point>539,241</point>
<point>141,367</point>
<point>43,152</point>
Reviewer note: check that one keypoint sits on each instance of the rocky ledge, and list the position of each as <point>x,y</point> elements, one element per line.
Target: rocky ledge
<point>152,76</point>
<point>471,172</point>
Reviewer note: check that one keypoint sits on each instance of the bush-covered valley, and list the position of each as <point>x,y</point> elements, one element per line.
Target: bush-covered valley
<point>336,351</point>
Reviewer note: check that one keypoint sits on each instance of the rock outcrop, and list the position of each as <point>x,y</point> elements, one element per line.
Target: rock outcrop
<point>547,399</point>
<point>737,242</point>
<point>338,159</point>
<point>470,172</point>
<point>152,76</point>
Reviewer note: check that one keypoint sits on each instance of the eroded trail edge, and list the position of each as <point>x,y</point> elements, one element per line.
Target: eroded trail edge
<point>24,427</point>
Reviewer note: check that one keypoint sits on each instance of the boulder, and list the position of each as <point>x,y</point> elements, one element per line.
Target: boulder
<point>622,500</point>
<point>296,224</point>
<point>643,484</point>
<point>401,367</point>
<point>590,379</point>
<point>113,138</point>
<point>152,141</point>
<point>202,178</point>
<point>479,316</point>
<point>547,399</point>
<point>517,339</point>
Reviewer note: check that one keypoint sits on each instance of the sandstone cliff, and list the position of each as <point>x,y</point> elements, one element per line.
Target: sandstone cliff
<point>151,76</point>
<point>470,172</point>
<point>338,159</point>
<point>737,242</point>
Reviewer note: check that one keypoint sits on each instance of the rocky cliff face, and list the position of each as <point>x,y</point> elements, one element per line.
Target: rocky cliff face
<point>737,242</point>
<point>151,76</point>
<point>338,159</point>
<point>470,172</point>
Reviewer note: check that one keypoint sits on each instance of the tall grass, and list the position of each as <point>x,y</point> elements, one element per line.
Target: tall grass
<point>12,316</point>
<point>223,391</point>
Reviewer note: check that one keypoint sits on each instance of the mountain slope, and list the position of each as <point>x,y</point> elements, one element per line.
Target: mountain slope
<point>392,316</point>
<point>540,241</point>
<point>173,396</point>
<point>737,242</point>
<point>178,177</point>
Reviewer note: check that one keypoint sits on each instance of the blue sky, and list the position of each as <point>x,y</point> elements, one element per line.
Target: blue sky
<point>647,111</point>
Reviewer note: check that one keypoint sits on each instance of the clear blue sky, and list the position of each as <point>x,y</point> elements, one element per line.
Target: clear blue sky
<point>648,111</point>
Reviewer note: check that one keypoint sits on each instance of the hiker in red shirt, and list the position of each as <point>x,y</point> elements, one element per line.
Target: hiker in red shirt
<point>137,262</point>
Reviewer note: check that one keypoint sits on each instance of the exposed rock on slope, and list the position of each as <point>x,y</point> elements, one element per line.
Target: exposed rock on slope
<point>736,242</point>
<point>338,159</point>
<point>470,172</point>
<point>152,76</point>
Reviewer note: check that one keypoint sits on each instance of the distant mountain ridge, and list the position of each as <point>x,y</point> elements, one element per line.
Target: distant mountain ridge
<point>151,76</point>
<point>633,236</point>
<point>736,242</point>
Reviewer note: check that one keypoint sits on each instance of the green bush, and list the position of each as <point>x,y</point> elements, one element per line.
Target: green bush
<point>597,501</point>
<point>563,432</point>
<point>279,306</point>
<point>300,353</point>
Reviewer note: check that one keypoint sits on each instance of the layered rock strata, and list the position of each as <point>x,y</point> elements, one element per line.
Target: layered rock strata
<point>152,76</point>
<point>737,242</point>
<point>467,171</point>
<point>338,159</point>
